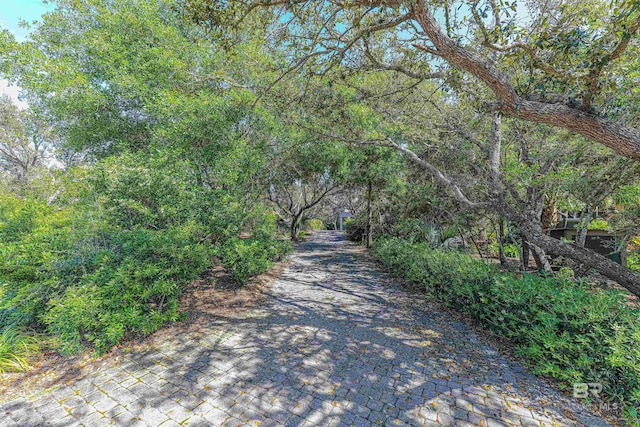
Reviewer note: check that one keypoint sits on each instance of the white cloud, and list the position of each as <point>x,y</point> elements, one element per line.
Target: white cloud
<point>12,91</point>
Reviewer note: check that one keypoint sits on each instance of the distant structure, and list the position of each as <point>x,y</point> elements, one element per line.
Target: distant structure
<point>343,216</point>
<point>601,241</point>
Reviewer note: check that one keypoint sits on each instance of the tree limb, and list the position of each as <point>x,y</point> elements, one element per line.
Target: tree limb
<point>623,139</point>
<point>433,171</point>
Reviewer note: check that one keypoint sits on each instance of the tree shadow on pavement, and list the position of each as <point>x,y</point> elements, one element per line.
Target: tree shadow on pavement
<point>335,345</point>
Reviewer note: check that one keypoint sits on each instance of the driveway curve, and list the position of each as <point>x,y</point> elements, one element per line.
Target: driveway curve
<point>336,343</point>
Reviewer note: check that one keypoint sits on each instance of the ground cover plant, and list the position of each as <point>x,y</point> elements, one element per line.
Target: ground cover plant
<point>15,348</point>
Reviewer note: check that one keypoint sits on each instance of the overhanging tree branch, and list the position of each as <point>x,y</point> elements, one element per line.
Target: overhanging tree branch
<point>623,139</point>
<point>432,170</point>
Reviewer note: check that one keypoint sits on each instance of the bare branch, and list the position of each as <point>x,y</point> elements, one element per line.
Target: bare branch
<point>426,49</point>
<point>466,135</point>
<point>382,66</point>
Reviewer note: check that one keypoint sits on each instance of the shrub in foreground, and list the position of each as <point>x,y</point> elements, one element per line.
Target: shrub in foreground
<point>563,329</point>
<point>132,289</point>
<point>109,260</point>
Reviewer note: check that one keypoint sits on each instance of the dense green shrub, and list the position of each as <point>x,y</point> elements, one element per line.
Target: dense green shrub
<point>33,258</point>
<point>510,250</point>
<point>598,224</point>
<point>248,257</point>
<point>110,258</point>
<point>563,329</point>
<point>355,229</point>
<point>633,262</point>
<point>133,288</point>
<point>91,283</point>
<point>418,230</point>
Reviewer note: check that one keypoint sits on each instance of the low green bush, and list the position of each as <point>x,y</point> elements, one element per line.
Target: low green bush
<point>34,258</point>
<point>565,273</point>
<point>598,224</point>
<point>355,229</point>
<point>633,262</point>
<point>132,288</point>
<point>94,286</point>
<point>315,224</point>
<point>562,328</point>
<point>510,250</point>
<point>418,230</point>
<point>249,257</point>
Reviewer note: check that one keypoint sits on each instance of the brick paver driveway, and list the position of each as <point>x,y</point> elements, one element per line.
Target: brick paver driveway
<point>336,344</point>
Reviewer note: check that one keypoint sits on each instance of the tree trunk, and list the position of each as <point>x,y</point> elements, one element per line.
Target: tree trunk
<point>295,226</point>
<point>548,216</point>
<point>622,250</point>
<point>294,234</point>
<point>518,247</point>
<point>503,258</point>
<point>369,236</point>
<point>605,266</point>
<point>524,261</point>
<point>624,256</point>
<point>475,244</point>
<point>583,227</point>
<point>487,252</point>
<point>539,255</point>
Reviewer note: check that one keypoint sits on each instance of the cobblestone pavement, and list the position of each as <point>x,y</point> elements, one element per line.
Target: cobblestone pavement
<point>336,344</point>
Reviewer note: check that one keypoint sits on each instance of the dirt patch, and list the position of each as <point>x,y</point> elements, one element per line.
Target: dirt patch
<point>215,295</point>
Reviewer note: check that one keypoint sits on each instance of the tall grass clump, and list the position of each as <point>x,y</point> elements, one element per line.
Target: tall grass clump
<point>15,348</point>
